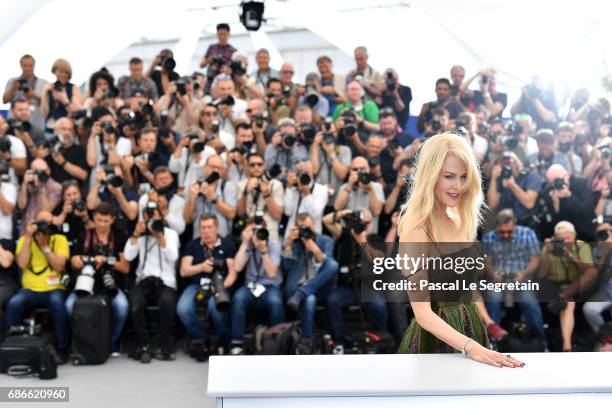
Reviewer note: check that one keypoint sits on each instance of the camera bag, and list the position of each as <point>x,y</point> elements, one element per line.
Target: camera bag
<point>91,330</point>
<point>23,355</point>
<point>281,339</point>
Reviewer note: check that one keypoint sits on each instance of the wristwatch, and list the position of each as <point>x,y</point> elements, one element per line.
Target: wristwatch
<point>46,250</point>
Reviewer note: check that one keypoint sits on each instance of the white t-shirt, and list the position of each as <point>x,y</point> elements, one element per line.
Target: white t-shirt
<point>9,192</point>
<point>18,151</point>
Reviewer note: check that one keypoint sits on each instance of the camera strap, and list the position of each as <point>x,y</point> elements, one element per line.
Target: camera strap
<point>52,246</point>
<point>149,248</point>
<point>258,265</point>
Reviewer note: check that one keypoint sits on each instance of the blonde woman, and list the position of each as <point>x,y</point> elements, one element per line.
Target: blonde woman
<point>60,98</point>
<point>444,207</point>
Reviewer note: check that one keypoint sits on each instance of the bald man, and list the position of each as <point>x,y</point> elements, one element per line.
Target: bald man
<point>38,191</point>
<point>361,192</point>
<point>567,197</point>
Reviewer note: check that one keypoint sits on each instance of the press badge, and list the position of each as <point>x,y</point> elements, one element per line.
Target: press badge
<point>66,228</point>
<point>257,289</point>
<point>53,279</point>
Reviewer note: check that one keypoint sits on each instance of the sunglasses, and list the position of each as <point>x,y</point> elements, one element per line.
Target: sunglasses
<point>256,164</point>
<point>358,169</point>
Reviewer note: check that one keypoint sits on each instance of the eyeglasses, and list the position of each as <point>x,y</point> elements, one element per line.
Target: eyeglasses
<point>256,164</point>
<point>209,113</point>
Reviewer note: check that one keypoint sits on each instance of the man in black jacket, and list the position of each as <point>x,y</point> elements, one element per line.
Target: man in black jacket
<point>566,197</point>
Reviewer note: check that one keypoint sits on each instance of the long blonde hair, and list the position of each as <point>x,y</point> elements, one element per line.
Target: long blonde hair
<point>417,212</point>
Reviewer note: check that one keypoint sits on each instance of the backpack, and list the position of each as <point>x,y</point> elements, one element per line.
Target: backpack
<point>281,339</point>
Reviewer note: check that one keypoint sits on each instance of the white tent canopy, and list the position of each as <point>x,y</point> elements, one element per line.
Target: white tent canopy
<point>565,42</point>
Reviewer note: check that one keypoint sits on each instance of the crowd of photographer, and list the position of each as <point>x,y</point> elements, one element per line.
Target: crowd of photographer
<point>235,189</point>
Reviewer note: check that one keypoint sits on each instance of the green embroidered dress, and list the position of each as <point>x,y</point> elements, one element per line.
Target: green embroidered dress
<point>456,309</point>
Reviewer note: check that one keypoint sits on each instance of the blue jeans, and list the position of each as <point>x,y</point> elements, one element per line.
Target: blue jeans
<point>342,297</point>
<point>271,299</point>
<point>314,289</point>
<point>186,309</point>
<point>529,306</point>
<point>120,307</point>
<point>26,300</point>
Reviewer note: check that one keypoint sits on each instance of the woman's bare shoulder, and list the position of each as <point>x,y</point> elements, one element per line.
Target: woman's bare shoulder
<point>414,235</point>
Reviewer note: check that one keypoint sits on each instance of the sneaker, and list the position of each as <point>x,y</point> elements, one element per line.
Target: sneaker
<point>495,332</point>
<point>237,351</point>
<point>295,300</point>
<point>338,349</point>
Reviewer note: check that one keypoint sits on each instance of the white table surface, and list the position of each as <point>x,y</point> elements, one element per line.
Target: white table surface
<point>405,375</point>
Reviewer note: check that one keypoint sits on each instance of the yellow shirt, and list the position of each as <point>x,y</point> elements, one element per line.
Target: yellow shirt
<point>38,276</point>
<point>563,270</point>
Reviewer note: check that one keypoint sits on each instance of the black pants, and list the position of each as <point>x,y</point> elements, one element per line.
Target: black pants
<point>163,296</point>
<point>7,291</point>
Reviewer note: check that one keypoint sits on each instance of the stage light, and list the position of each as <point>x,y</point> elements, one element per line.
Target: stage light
<point>252,15</point>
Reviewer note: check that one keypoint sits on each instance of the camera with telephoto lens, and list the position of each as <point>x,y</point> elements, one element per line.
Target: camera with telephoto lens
<point>55,143</point>
<point>350,122</point>
<point>57,86</point>
<point>311,97</point>
<point>261,233</point>
<point>364,176</point>
<point>506,163</point>
<point>353,221</point>
<point>304,179</point>
<point>5,144</point>
<point>214,66</point>
<point>558,183</point>
<point>23,85</point>
<point>258,217</point>
<point>238,68</point>
<point>305,232</point>
<point>168,63</point>
<point>389,81</point>
<point>194,141</point>
<point>5,176</point>
<point>436,125</point>
<point>129,119</point>
<point>558,246</point>
<point>605,152</point>
<point>220,292</point>
<point>85,281</point>
<point>19,125</point>
<point>214,126</point>
<point>147,108</point>
<point>307,133</point>
<point>228,100</point>
<point>41,176</point>
<point>78,205</point>
<point>289,139</point>
<point>565,147</point>
<point>108,127</point>
<point>260,119</point>
<point>180,87</point>
<point>111,179</point>
<point>214,176</point>
<point>155,225</point>
<point>273,172</point>
<point>279,101</point>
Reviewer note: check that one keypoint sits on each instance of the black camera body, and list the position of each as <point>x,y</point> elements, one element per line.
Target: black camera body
<point>237,68</point>
<point>558,183</point>
<point>5,145</point>
<point>41,176</point>
<point>78,205</point>
<point>19,125</point>
<point>558,246</point>
<point>364,177</point>
<point>353,221</point>
<point>168,64</point>
<point>45,227</point>
<point>289,139</point>
<point>350,122</point>
<point>305,232</point>
<point>308,132</point>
